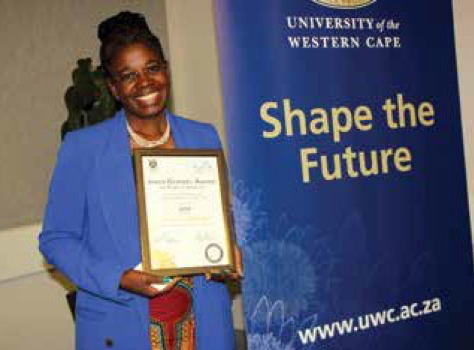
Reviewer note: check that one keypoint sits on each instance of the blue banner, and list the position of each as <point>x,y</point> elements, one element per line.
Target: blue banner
<point>349,186</point>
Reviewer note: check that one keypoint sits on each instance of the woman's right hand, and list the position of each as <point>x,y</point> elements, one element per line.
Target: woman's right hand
<point>141,283</point>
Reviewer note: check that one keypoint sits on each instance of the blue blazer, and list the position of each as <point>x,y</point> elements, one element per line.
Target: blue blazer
<point>90,233</point>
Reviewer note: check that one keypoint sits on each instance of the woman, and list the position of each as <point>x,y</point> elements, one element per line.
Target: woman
<point>90,229</point>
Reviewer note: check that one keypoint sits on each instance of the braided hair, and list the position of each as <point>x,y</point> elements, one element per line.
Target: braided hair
<point>122,30</point>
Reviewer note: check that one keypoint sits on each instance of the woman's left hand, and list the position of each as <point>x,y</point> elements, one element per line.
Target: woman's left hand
<point>220,275</point>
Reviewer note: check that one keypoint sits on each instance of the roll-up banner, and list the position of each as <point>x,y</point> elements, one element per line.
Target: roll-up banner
<point>349,185</point>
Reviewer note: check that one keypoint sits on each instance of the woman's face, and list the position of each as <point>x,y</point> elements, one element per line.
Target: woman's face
<point>140,81</point>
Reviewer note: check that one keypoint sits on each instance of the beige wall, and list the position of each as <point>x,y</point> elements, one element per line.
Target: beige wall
<point>195,73</point>
<point>194,61</point>
<point>35,315</point>
<point>464,27</point>
<point>42,41</point>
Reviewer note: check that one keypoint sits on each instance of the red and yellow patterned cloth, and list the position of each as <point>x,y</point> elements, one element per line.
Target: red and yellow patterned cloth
<point>171,318</point>
<point>172,324</point>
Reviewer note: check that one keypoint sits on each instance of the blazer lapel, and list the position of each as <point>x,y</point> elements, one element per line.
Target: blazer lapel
<point>119,202</point>
<point>179,137</point>
<point>118,193</point>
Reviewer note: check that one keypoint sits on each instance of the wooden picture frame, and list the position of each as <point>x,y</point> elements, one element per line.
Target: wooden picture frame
<point>184,211</point>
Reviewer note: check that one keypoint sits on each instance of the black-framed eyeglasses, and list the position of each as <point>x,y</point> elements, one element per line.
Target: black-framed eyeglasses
<point>151,70</point>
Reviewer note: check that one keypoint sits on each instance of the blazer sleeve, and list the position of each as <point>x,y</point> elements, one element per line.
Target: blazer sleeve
<point>62,240</point>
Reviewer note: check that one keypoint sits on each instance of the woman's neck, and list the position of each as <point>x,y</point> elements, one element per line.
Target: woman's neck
<point>149,128</point>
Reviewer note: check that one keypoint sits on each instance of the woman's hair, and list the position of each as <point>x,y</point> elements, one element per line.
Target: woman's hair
<point>121,30</point>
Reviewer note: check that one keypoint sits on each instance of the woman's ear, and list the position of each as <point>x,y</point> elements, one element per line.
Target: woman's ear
<point>112,89</point>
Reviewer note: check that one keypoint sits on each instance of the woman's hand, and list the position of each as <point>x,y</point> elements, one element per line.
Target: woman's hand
<point>141,283</point>
<point>222,275</point>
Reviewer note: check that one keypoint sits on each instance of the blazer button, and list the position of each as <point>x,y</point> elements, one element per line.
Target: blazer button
<point>109,342</point>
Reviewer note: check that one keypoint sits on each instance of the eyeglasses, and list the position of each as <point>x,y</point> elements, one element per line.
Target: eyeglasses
<point>151,70</point>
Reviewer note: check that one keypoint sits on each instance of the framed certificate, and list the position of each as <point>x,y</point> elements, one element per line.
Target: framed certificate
<point>184,210</point>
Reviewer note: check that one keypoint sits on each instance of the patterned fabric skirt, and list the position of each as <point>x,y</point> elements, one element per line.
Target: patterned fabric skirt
<point>171,318</point>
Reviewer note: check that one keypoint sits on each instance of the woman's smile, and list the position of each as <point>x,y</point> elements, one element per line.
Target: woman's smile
<point>149,97</point>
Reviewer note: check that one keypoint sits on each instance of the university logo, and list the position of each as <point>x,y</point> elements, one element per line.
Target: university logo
<point>152,163</point>
<point>344,4</point>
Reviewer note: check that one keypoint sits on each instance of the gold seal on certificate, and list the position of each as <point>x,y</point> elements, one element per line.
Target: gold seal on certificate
<point>183,205</point>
